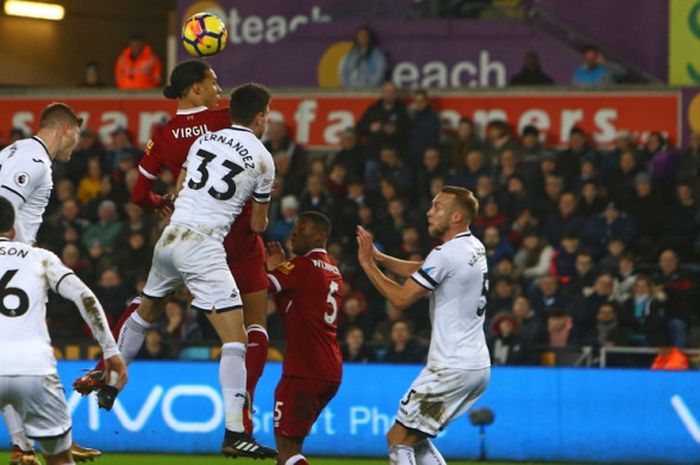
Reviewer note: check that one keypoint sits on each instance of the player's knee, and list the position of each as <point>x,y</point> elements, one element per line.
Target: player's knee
<point>149,310</point>
<point>57,450</point>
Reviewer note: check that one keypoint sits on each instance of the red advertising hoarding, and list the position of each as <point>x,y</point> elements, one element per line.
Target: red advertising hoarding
<point>318,120</point>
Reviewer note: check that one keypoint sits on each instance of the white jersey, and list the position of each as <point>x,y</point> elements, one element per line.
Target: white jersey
<point>25,180</point>
<point>26,274</point>
<point>457,276</point>
<point>224,169</point>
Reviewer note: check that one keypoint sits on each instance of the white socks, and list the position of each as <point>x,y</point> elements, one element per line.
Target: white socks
<point>294,459</point>
<point>232,376</point>
<point>131,337</point>
<point>424,453</point>
<point>427,454</point>
<point>401,455</point>
<point>15,427</point>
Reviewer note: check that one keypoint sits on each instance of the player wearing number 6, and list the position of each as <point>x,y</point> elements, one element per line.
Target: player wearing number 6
<point>308,294</point>
<point>222,171</point>
<point>458,369</point>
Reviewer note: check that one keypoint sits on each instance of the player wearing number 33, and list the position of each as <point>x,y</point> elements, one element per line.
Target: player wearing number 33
<point>222,171</point>
<point>308,292</point>
<point>458,369</point>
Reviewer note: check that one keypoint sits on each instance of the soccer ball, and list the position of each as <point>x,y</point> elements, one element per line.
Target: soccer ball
<point>204,34</point>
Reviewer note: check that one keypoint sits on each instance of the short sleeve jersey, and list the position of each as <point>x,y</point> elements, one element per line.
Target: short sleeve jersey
<point>308,297</point>
<point>170,143</point>
<point>457,276</point>
<point>26,274</point>
<point>25,180</point>
<point>225,169</point>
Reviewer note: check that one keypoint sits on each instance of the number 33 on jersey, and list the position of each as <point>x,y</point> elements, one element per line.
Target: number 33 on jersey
<point>309,290</point>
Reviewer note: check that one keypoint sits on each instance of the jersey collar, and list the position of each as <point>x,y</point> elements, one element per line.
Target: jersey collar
<point>38,140</point>
<point>466,233</point>
<point>5,239</point>
<point>317,250</point>
<point>191,111</point>
<point>236,127</point>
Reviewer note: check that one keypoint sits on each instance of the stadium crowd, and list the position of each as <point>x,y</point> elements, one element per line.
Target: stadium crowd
<point>585,245</point>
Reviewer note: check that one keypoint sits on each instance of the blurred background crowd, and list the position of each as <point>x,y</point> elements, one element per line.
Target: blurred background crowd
<point>586,246</point>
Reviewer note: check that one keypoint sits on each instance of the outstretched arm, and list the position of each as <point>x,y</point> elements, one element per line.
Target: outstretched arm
<point>399,296</point>
<point>403,268</point>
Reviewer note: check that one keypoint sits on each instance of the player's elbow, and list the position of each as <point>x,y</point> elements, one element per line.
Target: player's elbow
<point>400,302</point>
<point>258,225</point>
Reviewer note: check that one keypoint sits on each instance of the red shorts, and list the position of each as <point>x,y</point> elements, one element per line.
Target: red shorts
<point>249,269</point>
<point>299,402</point>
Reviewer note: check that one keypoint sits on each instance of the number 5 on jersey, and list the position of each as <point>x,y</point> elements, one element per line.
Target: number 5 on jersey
<point>332,300</point>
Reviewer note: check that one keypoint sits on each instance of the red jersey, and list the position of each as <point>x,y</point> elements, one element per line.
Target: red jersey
<point>308,297</point>
<point>168,149</point>
<point>170,143</point>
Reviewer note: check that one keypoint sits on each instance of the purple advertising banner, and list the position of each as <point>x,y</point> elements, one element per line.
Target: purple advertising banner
<point>302,43</point>
<point>636,30</point>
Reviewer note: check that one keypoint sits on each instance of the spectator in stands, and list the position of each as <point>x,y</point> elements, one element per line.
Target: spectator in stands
<point>289,210</point>
<point>425,128</point>
<point>584,307</point>
<point>431,168</point>
<point>288,155</point>
<point>89,147</point>
<point>365,65</point>
<point>612,222</point>
<point>112,293</point>
<point>552,189</point>
<point>568,163</point>
<point>532,328</point>
<point>507,167</point>
<point>154,348</point>
<point>533,258</point>
<point>608,332</point>
<point>531,73</point>
<point>662,162</point>
<point>498,139</point>
<point>385,122</point>
<point>92,78</point>
<point>581,282</point>
<point>564,257</point>
<point>503,291</point>
<point>353,315</point>
<point>507,345</point>
<point>391,168</point>
<point>71,257</point>
<point>135,256</point>
<point>464,141</point>
<point>680,291</point>
<point>355,350</point>
<point>644,314</point>
<point>591,200</point>
<point>615,248</point>
<point>610,159</point>
<point>180,325</point>
<point>566,218</point>
<point>316,198</point>
<point>625,278</point>
<point>490,214</point>
<point>516,197</point>
<point>682,220</point>
<point>530,151</point>
<point>137,66</point>
<point>593,71</point>
<point>106,231</point>
<point>647,209</point>
<point>89,186</point>
<point>474,166</point>
<point>122,148</point>
<point>689,164</point>
<point>546,295</point>
<point>351,155</point>
<point>559,326</point>
<point>496,246</point>
<point>621,184</point>
<point>404,348</point>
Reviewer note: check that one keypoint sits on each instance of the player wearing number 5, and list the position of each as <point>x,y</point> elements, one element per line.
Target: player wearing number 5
<point>308,294</point>
<point>458,369</point>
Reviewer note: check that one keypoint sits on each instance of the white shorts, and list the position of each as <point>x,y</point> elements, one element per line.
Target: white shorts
<point>40,402</point>
<point>184,256</point>
<point>438,396</point>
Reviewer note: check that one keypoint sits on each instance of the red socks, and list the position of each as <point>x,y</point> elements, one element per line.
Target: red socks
<point>255,357</point>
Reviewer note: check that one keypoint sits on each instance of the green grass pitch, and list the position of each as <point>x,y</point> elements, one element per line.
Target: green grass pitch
<point>157,459</point>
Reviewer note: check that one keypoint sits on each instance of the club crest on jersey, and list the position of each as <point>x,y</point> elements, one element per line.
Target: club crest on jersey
<point>286,267</point>
<point>21,179</point>
<point>149,146</point>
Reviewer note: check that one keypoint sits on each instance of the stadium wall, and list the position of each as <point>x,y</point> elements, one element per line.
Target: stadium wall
<point>579,415</point>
